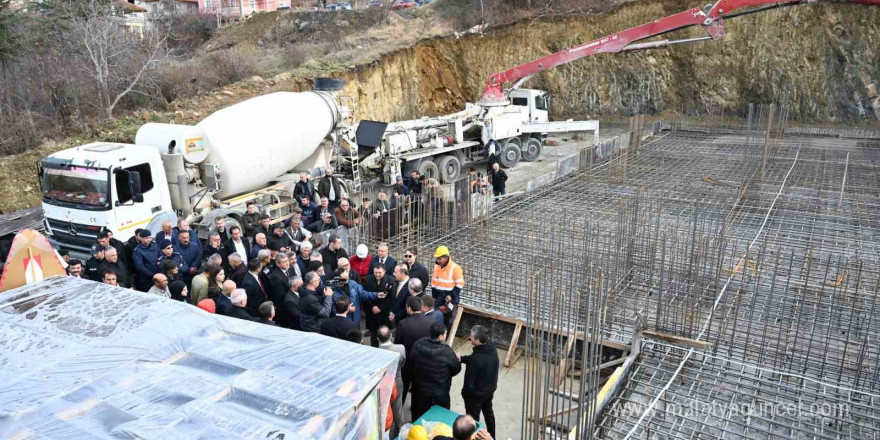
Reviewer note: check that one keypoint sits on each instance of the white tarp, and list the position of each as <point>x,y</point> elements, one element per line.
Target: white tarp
<point>82,360</point>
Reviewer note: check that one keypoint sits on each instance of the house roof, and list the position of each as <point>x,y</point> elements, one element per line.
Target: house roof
<point>179,1</point>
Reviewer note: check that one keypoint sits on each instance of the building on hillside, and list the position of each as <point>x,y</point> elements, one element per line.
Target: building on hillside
<point>182,7</point>
<point>237,8</point>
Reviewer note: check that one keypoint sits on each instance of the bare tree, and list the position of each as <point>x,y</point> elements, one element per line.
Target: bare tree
<point>117,58</point>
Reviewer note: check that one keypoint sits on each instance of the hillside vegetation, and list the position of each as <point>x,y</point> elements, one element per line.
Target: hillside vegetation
<point>821,58</point>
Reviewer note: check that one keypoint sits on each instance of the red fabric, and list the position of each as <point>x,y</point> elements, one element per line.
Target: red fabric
<point>207,305</point>
<point>361,266</point>
<point>389,417</point>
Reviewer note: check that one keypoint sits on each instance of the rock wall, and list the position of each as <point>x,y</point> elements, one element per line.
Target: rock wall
<point>824,59</point>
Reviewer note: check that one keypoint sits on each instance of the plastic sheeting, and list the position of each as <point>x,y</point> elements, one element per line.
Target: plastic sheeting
<point>82,360</point>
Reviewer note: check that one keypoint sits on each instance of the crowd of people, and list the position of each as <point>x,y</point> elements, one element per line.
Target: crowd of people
<point>273,274</point>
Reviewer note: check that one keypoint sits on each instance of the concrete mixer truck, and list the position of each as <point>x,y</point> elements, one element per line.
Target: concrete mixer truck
<point>251,151</point>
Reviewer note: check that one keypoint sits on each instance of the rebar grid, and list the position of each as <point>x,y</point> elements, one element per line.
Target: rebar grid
<point>715,398</point>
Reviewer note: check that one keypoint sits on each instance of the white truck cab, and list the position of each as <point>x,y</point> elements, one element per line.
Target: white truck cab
<point>536,101</point>
<point>99,186</point>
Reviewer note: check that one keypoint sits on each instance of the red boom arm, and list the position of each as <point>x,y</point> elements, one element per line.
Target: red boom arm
<point>712,21</point>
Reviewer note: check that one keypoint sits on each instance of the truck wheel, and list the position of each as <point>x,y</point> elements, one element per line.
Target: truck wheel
<point>429,169</point>
<point>450,168</point>
<point>532,150</point>
<point>510,153</point>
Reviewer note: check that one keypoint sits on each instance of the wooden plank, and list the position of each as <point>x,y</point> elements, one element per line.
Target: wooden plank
<point>677,340</point>
<point>563,365</point>
<point>475,311</point>
<point>450,336</point>
<point>509,360</point>
<point>279,205</point>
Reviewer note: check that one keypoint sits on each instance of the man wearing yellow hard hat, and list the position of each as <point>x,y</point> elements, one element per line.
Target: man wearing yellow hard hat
<point>447,282</point>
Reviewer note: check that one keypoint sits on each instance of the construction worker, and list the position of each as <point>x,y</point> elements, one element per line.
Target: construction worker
<point>447,282</point>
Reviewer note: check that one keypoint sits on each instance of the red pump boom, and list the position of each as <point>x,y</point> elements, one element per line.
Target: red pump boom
<point>712,20</point>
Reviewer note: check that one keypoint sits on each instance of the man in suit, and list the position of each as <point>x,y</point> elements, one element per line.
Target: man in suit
<point>237,268</point>
<point>416,326</point>
<point>267,313</point>
<point>429,310</point>
<point>238,309</point>
<point>401,276</point>
<point>339,325</point>
<point>237,244</point>
<point>378,310</point>
<point>223,301</point>
<point>253,286</point>
<point>383,258</point>
<point>386,342</point>
<point>288,307</point>
<point>279,278</point>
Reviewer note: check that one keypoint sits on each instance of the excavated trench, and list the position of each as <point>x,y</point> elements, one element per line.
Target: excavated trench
<point>821,58</point>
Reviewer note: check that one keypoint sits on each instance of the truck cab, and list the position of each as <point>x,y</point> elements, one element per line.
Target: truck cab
<point>536,101</point>
<point>98,186</point>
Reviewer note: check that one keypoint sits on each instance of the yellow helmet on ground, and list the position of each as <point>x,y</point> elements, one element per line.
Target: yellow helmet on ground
<point>417,432</point>
<point>441,251</point>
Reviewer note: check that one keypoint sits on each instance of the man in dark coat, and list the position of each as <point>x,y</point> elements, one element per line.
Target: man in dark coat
<point>308,209</point>
<point>166,253</point>
<point>253,286</point>
<point>279,278</point>
<point>416,270</point>
<point>112,263</point>
<point>338,326</point>
<point>377,310</point>
<point>498,179</point>
<point>238,309</point>
<point>434,365</point>
<point>130,245</point>
<point>383,258</point>
<point>280,237</point>
<point>401,188</point>
<point>237,268</point>
<point>191,252</point>
<point>214,245</point>
<point>327,223</point>
<point>415,184</point>
<point>411,329</point>
<point>288,307</point>
<point>220,229</point>
<point>330,187</point>
<point>304,188</point>
<point>333,252</point>
<point>313,310</point>
<point>480,377</point>
<point>144,258</point>
<point>237,243</point>
<point>93,263</point>
<point>105,238</point>
<point>405,289</point>
<point>250,220</point>
<point>267,313</point>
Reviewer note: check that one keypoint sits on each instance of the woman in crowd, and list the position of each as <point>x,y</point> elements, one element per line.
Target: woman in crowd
<point>216,277</point>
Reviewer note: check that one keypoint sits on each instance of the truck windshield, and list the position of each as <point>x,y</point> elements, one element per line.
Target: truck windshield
<point>77,185</point>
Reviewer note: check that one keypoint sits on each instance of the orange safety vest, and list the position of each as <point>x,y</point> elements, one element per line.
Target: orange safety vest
<point>447,278</point>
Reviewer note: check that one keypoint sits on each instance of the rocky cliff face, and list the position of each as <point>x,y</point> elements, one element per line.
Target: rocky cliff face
<point>824,59</point>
